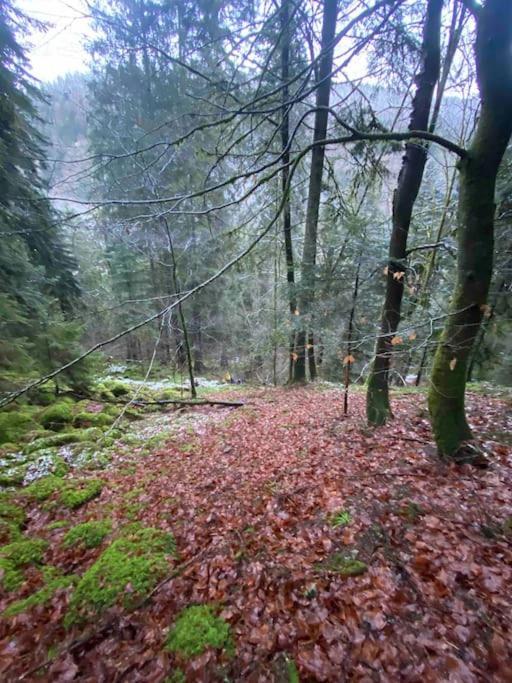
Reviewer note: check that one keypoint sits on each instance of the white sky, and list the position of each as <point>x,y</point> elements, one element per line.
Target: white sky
<point>59,50</point>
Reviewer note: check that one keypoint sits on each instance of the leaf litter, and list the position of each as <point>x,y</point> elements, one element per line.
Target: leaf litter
<point>249,498</point>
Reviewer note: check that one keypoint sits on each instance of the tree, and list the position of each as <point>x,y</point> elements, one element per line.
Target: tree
<point>308,267</point>
<point>38,286</point>
<point>409,182</point>
<point>478,173</point>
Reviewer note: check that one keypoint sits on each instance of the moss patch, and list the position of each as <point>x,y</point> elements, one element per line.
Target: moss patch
<point>11,577</point>
<point>11,519</point>
<point>343,564</point>
<point>75,436</point>
<point>197,628</point>
<point>72,493</point>
<point>24,552</point>
<point>56,416</point>
<point>124,573</point>
<point>15,556</point>
<point>13,425</point>
<point>88,534</point>
<point>77,493</point>
<point>43,488</point>
<point>40,597</point>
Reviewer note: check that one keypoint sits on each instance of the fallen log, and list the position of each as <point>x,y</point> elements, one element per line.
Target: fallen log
<point>190,402</point>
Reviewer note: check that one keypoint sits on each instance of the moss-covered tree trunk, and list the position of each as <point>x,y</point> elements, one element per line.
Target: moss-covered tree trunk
<point>307,287</point>
<point>409,182</point>
<point>478,171</point>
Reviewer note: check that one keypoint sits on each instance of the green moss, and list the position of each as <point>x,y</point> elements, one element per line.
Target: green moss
<point>13,476</point>
<point>43,488</point>
<point>88,534</point>
<point>72,493</point>
<point>11,519</point>
<point>125,572</point>
<point>177,676</point>
<point>24,552</point>
<point>14,424</point>
<point>40,597</point>
<point>343,564</point>
<point>76,493</point>
<point>11,512</point>
<point>85,419</point>
<point>11,577</point>
<point>196,629</point>
<point>58,524</point>
<point>55,440</point>
<point>118,388</point>
<point>56,416</point>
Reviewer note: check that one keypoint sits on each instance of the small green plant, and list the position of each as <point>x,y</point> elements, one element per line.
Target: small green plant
<point>198,628</point>
<point>12,518</point>
<point>340,518</point>
<point>292,671</point>
<point>412,511</point>
<point>124,573</point>
<point>344,564</point>
<point>88,534</point>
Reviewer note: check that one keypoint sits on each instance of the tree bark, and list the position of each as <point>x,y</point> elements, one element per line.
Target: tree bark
<point>285,137</point>
<point>323,93</point>
<point>478,171</point>
<point>378,408</point>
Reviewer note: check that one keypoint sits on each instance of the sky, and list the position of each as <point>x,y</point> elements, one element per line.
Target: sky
<point>59,50</point>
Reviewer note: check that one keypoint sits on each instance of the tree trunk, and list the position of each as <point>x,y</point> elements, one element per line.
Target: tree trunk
<point>285,137</point>
<point>478,171</point>
<point>311,357</point>
<point>409,182</point>
<point>323,93</point>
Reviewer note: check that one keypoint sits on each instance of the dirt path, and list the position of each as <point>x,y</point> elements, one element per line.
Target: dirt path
<point>275,498</point>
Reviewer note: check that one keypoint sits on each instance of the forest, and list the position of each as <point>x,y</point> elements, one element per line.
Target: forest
<point>256,342</point>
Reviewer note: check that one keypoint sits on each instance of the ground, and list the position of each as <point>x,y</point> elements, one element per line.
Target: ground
<point>321,551</point>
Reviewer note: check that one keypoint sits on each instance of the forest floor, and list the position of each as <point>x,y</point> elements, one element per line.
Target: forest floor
<point>327,552</point>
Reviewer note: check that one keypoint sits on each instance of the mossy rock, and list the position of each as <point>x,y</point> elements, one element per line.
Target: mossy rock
<point>48,462</point>
<point>196,629</point>
<point>72,493</point>
<point>343,564</point>
<point>13,476</point>
<point>85,419</point>
<point>54,582</point>
<point>138,559</point>
<point>14,424</point>
<point>56,416</point>
<point>88,534</point>
<point>110,389</point>
<point>75,436</point>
